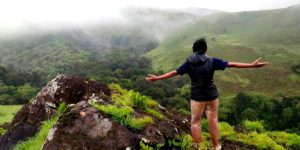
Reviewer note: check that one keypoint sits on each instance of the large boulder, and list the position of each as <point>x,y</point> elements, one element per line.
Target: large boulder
<point>82,126</point>
<point>70,89</point>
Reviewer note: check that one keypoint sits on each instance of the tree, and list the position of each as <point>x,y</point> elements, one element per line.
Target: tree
<point>6,99</point>
<point>24,93</point>
<point>249,114</point>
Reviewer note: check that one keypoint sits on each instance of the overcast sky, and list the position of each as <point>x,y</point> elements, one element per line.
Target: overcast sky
<point>17,13</point>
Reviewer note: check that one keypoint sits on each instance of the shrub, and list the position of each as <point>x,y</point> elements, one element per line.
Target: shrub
<point>261,141</point>
<point>254,126</point>
<point>286,139</point>
<point>226,129</point>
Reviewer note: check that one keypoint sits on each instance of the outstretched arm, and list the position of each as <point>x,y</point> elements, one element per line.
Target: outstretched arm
<point>152,78</point>
<point>255,64</point>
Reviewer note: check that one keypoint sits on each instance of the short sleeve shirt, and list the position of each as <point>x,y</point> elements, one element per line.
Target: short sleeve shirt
<point>218,64</point>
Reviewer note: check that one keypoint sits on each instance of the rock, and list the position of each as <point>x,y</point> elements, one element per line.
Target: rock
<point>66,88</point>
<point>94,130</point>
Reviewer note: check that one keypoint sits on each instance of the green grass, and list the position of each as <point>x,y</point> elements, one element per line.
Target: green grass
<point>36,142</point>
<point>7,112</point>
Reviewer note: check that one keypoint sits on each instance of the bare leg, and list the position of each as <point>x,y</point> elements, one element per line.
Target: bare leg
<point>212,118</point>
<point>197,109</point>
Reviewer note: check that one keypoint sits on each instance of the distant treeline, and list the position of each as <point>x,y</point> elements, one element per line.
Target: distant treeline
<point>280,112</point>
<point>17,87</point>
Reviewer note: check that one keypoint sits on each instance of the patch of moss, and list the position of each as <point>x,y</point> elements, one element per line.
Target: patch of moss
<point>2,131</point>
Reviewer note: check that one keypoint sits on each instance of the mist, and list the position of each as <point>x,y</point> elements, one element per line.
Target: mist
<point>19,17</point>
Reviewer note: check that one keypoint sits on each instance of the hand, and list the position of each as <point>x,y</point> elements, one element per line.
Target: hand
<point>151,78</point>
<point>257,63</point>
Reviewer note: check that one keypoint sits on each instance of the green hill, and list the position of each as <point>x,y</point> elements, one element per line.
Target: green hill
<point>243,36</point>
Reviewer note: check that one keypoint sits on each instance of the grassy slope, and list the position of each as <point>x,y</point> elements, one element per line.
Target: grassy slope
<point>242,36</point>
<point>7,112</point>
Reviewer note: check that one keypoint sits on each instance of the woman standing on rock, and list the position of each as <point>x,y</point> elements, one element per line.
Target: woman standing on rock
<point>204,94</point>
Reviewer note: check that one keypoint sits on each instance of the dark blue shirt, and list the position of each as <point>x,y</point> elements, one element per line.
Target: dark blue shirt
<point>218,64</point>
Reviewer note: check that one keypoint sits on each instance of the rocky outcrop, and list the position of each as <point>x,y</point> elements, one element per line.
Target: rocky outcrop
<point>66,88</point>
<point>82,126</point>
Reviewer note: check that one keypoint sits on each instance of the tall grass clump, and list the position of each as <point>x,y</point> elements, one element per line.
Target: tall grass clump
<point>135,100</point>
<point>139,101</point>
